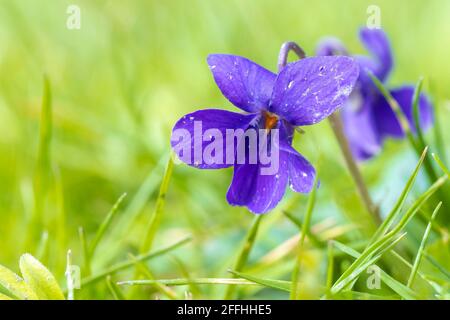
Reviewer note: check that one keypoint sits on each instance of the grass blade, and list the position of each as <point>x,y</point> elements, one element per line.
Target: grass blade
<point>396,286</point>
<point>304,231</point>
<point>105,224</point>
<point>42,247</point>
<point>401,200</point>
<point>185,282</point>
<point>311,236</point>
<point>437,132</point>
<point>422,247</point>
<point>43,167</point>
<point>330,268</point>
<point>245,252</point>
<point>85,250</point>
<point>441,164</point>
<point>438,266</point>
<point>115,291</point>
<point>274,284</point>
<point>159,207</point>
<point>363,265</point>
<point>416,112</point>
<point>376,246</point>
<point>142,268</point>
<point>404,123</point>
<point>131,213</point>
<point>126,264</point>
<point>401,117</point>
<point>4,297</point>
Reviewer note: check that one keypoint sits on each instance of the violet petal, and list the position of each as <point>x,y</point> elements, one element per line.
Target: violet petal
<point>360,126</point>
<point>244,83</point>
<point>377,43</point>
<point>301,172</point>
<point>386,120</point>
<point>309,90</point>
<point>184,136</point>
<point>259,193</point>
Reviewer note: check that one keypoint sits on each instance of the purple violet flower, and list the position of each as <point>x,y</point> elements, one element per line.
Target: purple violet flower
<point>303,93</point>
<point>367,117</point>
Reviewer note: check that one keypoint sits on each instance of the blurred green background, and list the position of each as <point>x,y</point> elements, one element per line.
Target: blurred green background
<point>119,84</point>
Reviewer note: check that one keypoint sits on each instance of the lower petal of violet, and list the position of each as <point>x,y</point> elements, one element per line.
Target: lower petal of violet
<point>301,173</point>
<point>258,192</point>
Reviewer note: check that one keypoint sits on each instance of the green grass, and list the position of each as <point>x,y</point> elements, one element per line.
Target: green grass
<point>86,116</point>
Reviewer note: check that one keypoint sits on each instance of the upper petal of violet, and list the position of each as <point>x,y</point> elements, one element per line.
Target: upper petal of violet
<point>309,90</point>
<point>244,83</point>
<point>377,43</point>
<point>331,46</point>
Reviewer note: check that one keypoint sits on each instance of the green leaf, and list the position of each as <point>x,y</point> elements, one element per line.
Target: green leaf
<point>16,285</point>
<point>39,278</point>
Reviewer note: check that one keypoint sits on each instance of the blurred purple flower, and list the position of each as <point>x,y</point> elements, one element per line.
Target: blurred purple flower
<point>367,117</point>
<point>303,93</point>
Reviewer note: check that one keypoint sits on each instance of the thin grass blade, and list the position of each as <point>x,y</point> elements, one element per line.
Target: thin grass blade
<point>422,247</point>
<point>245,252</point>
<point>305,230</point>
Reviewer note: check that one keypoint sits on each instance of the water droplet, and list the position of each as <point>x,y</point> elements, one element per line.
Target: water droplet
<point>291,83</point>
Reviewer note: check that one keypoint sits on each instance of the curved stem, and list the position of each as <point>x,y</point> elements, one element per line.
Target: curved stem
<point>340,136</point>
<point>284,52</point>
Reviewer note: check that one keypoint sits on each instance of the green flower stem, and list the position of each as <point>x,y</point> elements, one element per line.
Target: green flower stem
<point>336,125</point>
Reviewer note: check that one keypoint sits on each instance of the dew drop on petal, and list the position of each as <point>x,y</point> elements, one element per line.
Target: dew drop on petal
<point>291,83</point>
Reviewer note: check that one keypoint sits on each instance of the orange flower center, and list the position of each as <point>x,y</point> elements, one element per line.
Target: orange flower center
<point>270,120</point>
